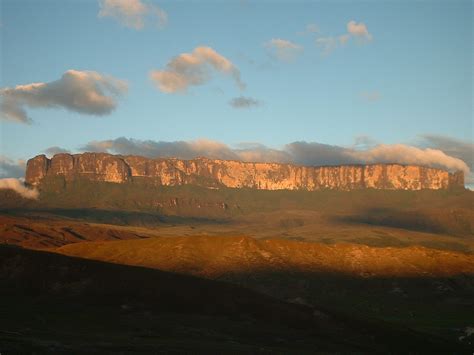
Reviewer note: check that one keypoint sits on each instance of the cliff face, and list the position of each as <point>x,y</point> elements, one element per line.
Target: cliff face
<point>214,173</point>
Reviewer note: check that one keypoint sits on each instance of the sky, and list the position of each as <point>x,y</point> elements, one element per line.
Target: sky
<point>365,80</point>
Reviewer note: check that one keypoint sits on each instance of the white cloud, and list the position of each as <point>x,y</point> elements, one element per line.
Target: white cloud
<point>191,69</point>
<point>86,92</point>
<point>133,13</point>
<point>244,102</point>
<point>405,154</point>
<point>283,49</point>
<point>18,186</point>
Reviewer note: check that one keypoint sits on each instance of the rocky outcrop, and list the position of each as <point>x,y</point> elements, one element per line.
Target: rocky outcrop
<point>236,174</point>
<point>92,166</point>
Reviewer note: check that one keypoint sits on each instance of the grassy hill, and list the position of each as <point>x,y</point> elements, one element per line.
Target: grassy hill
<point>437,219</point>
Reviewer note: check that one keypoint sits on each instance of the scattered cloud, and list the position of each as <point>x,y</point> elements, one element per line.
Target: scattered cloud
<point>133,13</point>
<point>311,28</point>
<point>55,150</point>
<point>283,49</point>
<point>327,44</point>
<point>245,102</point>
<point>303,153</point>
<point>355,30</point>
<point>10,168</point>
<point>370,96</point>
<point>18,186</point>
<point>192,69</point>
<point>85,92</point>
<point>358,30</point>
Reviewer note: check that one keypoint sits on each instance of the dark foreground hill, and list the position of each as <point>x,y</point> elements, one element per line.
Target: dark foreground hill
<point>426,289</point>
<point>387,265</point>
<point>56,304</point>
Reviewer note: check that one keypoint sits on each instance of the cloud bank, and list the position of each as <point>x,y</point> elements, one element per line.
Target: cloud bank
<point>457,148</point>
<point>244,102</point>
<point>133,13</point>
<point>302,153</point>
<point>463,150</point>
<point>85,92</point>
<point>18,186</point>
<point>55,150</point>
<point>10,168</point>
<point>283,49</point>
<point>192,69</point>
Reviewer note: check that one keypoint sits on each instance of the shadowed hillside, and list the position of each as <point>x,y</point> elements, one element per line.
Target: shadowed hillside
<point>53,303</point>
<point>429,290</point>
<point>395,259</point>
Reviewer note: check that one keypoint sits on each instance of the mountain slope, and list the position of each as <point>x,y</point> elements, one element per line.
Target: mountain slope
<point>425,289</point>
<point>53,303</point>
<point>212,256</point>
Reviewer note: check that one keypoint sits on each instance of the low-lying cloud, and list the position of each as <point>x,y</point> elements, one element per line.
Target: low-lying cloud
<point>192,69</point>
<point>152,149</point>
<point>463,150</point>
<point>55,150</point>
<point>10,168</point>
<point>18,186</point>
<point>302,153</point>
<point>133,13</point>
<point>244,102</point>
<point>85,92</point>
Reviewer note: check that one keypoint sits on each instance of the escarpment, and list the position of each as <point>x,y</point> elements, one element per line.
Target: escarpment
<point>235,174</point>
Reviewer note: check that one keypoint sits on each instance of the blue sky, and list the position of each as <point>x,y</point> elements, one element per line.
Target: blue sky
<point>412,78</point>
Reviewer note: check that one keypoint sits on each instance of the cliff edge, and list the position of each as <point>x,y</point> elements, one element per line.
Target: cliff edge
<point>236,174</point>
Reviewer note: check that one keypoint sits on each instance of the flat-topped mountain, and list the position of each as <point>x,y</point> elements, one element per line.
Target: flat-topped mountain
<point>237,174</point>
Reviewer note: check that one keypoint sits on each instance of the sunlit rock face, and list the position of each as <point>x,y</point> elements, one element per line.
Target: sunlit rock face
<point>36,169</point>
<point>236,174</point>
<point>92,166</point>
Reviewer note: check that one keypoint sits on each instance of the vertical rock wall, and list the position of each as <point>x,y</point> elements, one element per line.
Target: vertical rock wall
<point>236,174</point>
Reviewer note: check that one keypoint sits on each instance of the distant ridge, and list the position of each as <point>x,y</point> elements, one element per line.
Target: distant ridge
<point>235,174</point>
